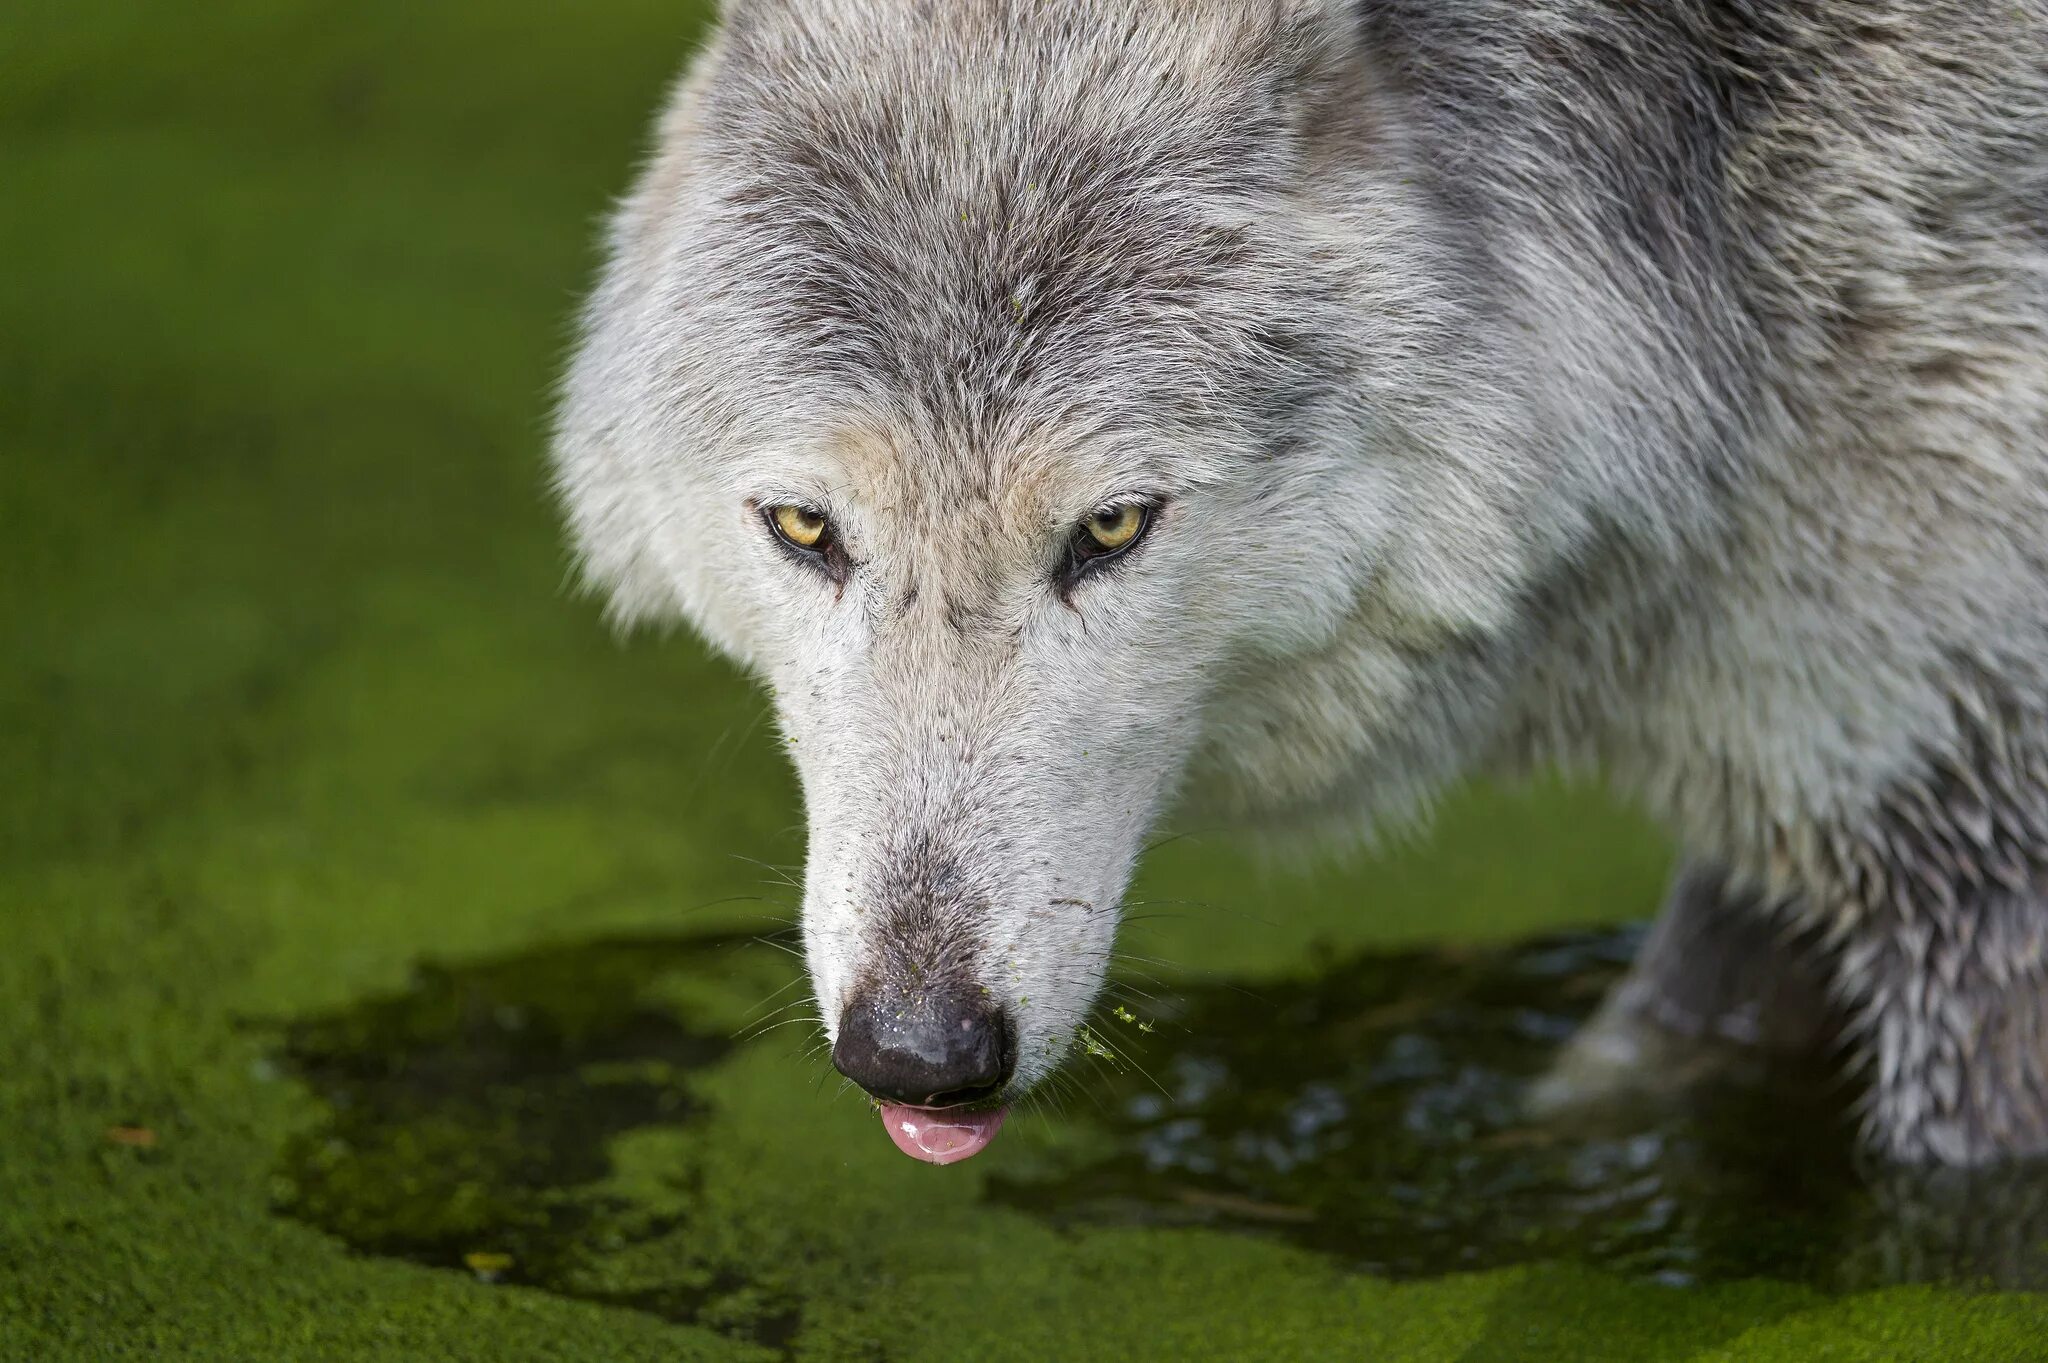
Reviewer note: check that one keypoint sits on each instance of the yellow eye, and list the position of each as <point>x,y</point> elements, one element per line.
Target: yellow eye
<point>800,525</point>
<point>1116,528</point>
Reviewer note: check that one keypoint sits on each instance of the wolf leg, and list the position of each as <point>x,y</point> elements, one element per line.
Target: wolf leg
<point>1930,1223</point>
<point>1717,978</point>
<point>1949,1007</point>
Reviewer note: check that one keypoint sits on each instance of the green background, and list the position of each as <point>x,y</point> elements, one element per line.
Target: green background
<point>294,695</point>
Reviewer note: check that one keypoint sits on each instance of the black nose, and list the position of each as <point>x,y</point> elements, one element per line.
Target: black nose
<point>932,1048</point>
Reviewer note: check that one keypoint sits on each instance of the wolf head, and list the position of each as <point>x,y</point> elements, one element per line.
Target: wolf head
<point>1061,406</point>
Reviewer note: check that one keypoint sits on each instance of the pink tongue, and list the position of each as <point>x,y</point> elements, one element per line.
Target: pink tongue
<point>940,1137</point>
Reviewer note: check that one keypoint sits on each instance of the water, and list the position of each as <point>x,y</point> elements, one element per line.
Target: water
<point>1370,1110</point>
<point>470,1121</point>
<point>1374,1111</point>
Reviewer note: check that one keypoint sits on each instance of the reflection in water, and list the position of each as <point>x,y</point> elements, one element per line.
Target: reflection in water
<point>471,1119</point>
<point>1374,1111</point>
<point>1371,1110</point>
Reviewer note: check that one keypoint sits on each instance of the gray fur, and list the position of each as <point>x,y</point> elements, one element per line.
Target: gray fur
<point>1658,390</point>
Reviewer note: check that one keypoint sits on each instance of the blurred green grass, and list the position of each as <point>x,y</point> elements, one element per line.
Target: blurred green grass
<point>293,696</point>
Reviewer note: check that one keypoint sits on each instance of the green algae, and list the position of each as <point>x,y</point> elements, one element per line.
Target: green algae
<point>538,1118</point>
<point>471,1119</point>
<point>292,700</point>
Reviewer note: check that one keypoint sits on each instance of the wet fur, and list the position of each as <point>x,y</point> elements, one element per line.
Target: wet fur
<point>1656,390</point>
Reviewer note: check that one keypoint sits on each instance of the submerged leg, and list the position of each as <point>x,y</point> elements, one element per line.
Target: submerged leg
<point>1717,977</point>
<point>1928,1223</point>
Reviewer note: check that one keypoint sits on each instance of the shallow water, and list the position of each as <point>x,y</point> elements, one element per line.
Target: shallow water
<point>471,1119</point>
<point>1374,1111</point>
<point>1370,1111</point>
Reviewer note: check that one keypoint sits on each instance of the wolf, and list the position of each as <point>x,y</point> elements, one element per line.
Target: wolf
<point>1078,410</point>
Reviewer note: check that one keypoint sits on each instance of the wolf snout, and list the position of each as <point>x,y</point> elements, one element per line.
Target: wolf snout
<point>939,1048</point>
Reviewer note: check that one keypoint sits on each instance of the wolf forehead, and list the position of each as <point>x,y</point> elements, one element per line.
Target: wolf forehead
<point>982,207</point>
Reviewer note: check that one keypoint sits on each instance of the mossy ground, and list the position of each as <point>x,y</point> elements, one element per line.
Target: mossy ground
<point>292,698</point>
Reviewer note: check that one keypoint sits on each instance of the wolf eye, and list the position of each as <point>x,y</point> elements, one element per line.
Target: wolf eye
<point>1111,531</point>
<point>1102,538</point>
<point>1117,528</point>
<point>800,527</point>
<point>807,536</point>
